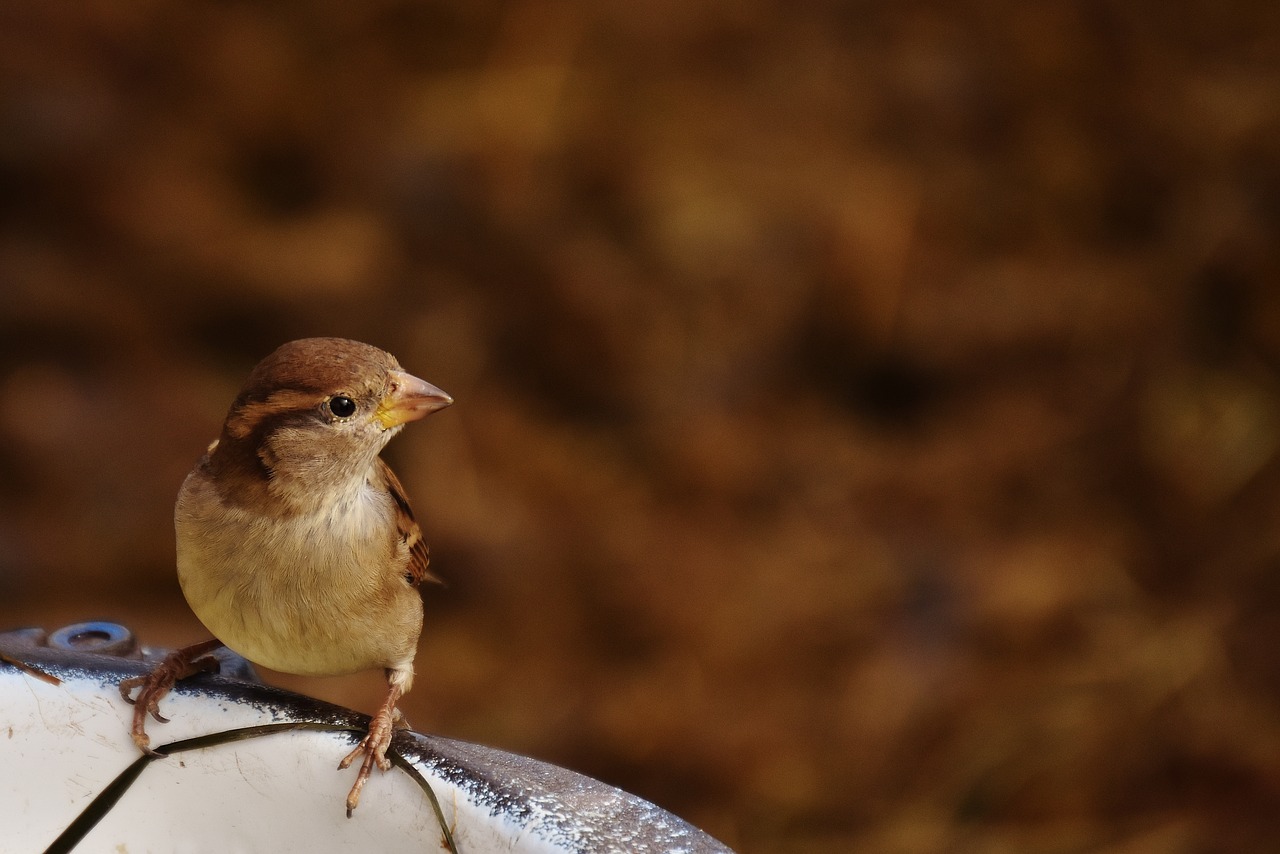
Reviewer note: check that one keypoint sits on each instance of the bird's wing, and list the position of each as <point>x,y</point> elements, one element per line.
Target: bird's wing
<point>409,531</point>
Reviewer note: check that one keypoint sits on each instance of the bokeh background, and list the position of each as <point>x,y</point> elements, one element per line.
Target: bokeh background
<point>868,413</point>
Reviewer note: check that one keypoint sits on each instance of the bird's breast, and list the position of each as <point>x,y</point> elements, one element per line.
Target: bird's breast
<point>317,593</point>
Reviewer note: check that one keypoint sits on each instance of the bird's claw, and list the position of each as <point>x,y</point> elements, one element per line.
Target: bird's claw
<point>127,686</point>
<point>153,686</point>
<point>373,747</point>
<point>151,689</point>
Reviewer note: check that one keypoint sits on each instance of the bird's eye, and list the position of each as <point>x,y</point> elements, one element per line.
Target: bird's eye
<point>342,406</point>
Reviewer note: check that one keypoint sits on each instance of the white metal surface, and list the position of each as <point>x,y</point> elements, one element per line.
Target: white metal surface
<point>62,745</point>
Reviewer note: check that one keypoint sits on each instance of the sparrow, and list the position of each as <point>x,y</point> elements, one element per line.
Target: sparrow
<point>296,544</point>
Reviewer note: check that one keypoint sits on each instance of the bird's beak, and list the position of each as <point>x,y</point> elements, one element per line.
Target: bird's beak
<point>409,399</point>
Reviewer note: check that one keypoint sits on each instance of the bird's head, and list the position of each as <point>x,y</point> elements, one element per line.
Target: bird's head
<point>314,415</point>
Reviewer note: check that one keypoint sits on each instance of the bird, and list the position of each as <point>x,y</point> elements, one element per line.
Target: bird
<point>297,547</point>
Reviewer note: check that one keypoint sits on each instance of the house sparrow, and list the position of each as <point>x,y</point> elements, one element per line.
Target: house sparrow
<point>297,547</point>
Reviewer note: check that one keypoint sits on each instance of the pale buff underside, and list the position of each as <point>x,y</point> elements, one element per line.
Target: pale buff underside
<point>318,595</point>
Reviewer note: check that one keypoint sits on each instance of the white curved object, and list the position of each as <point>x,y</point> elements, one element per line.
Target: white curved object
<point>63,746</point>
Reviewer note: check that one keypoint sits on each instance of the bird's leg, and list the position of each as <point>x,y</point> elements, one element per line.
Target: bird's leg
<point>175,666</point>
<point>374,745</point>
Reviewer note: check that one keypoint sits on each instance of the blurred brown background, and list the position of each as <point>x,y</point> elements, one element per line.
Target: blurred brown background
<point>868,414</point>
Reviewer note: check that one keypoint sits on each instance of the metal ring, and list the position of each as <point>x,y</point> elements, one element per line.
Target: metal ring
<point>96,636</point>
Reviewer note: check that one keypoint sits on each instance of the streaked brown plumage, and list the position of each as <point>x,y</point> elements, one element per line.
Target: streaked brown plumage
<point>297,546</point>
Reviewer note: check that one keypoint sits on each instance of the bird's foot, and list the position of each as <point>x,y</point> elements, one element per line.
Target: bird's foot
<point>373,747</point>
<point>153,686</point>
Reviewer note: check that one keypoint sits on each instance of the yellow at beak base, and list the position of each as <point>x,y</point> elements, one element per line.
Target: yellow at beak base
<point>410,399</point>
